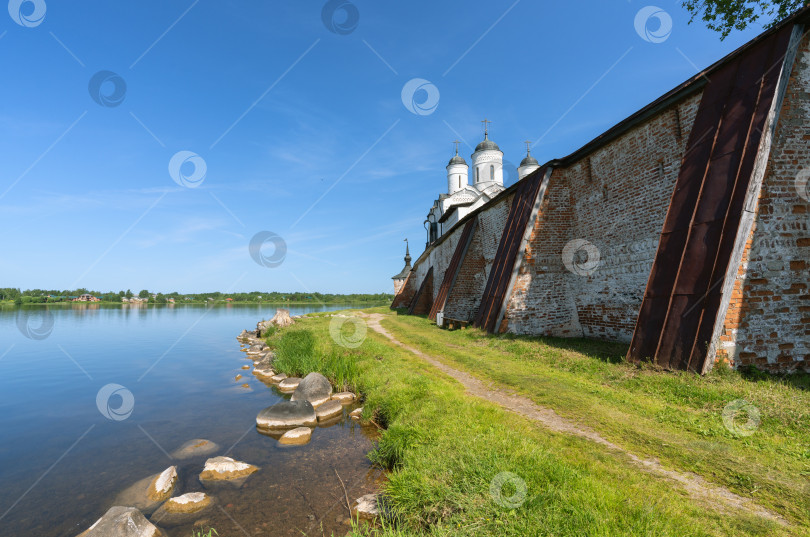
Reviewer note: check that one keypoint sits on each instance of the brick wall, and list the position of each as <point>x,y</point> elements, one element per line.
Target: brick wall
<point>405,292</point>
<point>613,204</point>
<point>768,320</point>
<point>465,296</point>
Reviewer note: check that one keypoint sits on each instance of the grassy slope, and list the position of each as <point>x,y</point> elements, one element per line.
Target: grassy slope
<point>676,417</point>
<point>445,447</point>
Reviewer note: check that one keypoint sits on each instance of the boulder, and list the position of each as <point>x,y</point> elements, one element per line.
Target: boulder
<point>195,448</point>
<point>245,366</point>
<point>278,377</point>
<point>356,414</point>
<point>289,384</point>
<point>227,469</point>
<point>122,521</point>
<point>242,335</point>
<point>314,388</point>
<point>282,318</point>
<point>147,494</point>
<point>329,410</point>
<point>237,377</point>
<point>262,326</point>
<point>267,374</point>
<point>287,415</point>
<point>256,349</point>
<point>183,509</point>
<point>366,507</point>
<point>345,398</point>
<point>265,362</point>
<point>296,437</point>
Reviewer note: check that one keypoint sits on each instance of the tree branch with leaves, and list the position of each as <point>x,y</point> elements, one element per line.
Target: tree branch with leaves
<point>726,15</point>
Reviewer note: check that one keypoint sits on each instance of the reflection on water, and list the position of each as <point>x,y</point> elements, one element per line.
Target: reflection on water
<point>62,462</point>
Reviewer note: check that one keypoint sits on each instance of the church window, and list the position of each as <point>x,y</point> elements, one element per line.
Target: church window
<point>459,181</point>
<point>492,173</point>
<point>477,176</point>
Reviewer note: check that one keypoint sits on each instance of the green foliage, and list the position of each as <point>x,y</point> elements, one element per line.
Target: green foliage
<point>445,447</point>
<point>299,352</point>
<point>726,15</point>
<point>675,417</point>
<point>41,296</point>
<point>199,532</point>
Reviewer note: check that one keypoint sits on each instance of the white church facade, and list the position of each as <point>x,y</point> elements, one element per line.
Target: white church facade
<point>463,197</point>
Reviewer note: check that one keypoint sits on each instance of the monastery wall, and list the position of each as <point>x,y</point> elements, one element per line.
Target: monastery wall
<point>595,237</point>
<point>465,296</point>
<point>590,249</point>
<point>768,320</point>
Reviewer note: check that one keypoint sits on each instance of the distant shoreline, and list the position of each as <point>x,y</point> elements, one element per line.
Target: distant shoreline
<point>10,303</point>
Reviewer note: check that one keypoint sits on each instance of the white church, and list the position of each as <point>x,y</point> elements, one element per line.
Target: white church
<point>487,182</point>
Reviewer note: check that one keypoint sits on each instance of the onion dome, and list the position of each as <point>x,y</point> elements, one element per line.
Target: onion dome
<point>487,145</point>
<point>456,158</point>
<point>529,160</point>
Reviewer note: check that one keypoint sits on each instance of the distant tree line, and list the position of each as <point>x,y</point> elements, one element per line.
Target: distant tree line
<point>43,296</point>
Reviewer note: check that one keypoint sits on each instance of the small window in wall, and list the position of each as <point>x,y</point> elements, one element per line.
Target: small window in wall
<point>477,176</point>
<point>491,172</point>
<point>459,181</point>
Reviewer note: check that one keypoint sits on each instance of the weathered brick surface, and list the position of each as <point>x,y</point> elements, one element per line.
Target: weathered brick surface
<point>465,296</point>
<point>405,292</point>
<point>768,320</point>
<point>615,199</point>
<point>424,300</point>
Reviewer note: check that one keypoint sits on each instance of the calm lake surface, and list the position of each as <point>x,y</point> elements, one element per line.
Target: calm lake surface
<point>62,462</point>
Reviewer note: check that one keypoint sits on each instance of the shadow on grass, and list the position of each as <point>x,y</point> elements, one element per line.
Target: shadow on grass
<point>798,379</point>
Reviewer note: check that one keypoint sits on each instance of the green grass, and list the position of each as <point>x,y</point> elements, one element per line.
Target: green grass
<point>673,416</point>
<point>444,449</point>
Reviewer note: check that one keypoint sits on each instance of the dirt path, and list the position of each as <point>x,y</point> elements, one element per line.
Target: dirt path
<point>697,487</point>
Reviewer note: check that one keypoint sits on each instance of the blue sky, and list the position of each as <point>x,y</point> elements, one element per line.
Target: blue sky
<point>303,131</point>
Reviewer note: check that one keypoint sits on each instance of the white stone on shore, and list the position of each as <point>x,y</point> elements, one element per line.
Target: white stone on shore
<point>345,398</point>
<point>164,484</point>
<point>183,509</point>
<point>120,521</point>
<point>314,388</point>
<point>289,384</point>
<point>147,494</point>
<point>329,410</point>
<point>286,415</point>
<point>226,468</point>
<point>297,436</point>
<point>195,448</point>
<point>366,507</point>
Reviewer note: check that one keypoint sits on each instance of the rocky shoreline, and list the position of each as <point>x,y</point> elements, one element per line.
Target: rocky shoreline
<point>154,502</point>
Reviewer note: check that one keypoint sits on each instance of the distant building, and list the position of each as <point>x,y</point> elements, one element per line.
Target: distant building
<point>399,279</point>
<point>86,298</point>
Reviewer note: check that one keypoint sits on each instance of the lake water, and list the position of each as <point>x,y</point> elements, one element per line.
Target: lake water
<point>62,462</point>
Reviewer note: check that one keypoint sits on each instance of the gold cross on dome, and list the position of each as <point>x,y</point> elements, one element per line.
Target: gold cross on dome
<point>456,142</point>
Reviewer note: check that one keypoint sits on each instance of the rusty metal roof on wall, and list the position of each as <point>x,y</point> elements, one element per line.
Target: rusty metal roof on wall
<point>500,274</point>
<point>684,290</point>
